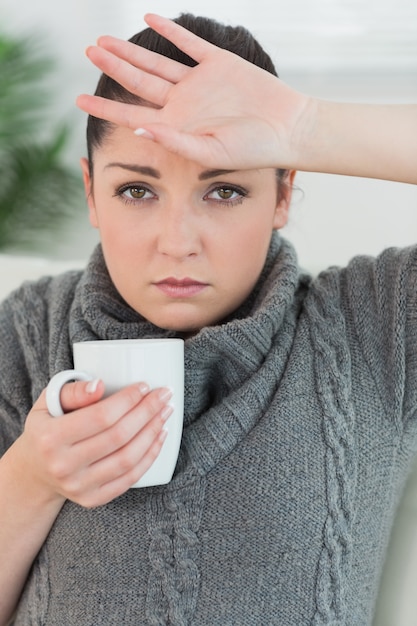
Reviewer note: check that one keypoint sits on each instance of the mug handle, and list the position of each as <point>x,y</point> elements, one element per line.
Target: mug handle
<point>53,390</point>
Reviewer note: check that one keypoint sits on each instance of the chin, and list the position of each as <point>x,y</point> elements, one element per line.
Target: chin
<point>187,329</point>
<point>181,323</point>
<point>185,317</point>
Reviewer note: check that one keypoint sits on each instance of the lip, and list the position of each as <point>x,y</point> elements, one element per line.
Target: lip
<point>180,287</point>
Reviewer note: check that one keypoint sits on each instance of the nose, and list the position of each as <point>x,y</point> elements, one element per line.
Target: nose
<point>178,235</point>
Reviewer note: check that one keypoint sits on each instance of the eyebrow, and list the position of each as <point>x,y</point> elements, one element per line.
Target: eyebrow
<point>145,170</point>
<point>138,169</point>
<point>214,173</point>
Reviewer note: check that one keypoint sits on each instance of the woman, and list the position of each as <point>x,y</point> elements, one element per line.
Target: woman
<point>300,395</point>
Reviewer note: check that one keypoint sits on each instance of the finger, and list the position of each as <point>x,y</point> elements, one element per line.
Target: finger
<point>111,489</point>
<point>102,416</point>
<point>80,394</point>
<point>73,396</point>
<point>129,457</point>
<point>142,84</point>
<point>109,455</point>
<point>153,62</point>
<point>125,429</point>
<point>204,149</point>
<point>92,420</point>
<point>186,41</point>
<point>130,115</point>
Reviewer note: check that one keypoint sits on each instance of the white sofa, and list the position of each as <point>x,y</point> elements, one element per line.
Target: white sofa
<point>15,269</point>
<point>397,605</point>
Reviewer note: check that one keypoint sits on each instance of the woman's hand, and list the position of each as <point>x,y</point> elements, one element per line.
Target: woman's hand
<point>224,113</point>
<point>100,448</point>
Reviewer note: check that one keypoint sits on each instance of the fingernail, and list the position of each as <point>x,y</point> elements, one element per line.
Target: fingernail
<point>144,388</point>
<point>91,386</point>
<point>163,435</point>
<point>166,412</point>
<point>165,394</point>
<point>142,132</point>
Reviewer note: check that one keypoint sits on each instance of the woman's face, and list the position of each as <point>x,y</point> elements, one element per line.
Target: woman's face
<point>184,245</point>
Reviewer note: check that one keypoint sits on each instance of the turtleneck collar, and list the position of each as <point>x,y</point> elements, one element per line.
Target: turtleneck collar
<point>227,365</point>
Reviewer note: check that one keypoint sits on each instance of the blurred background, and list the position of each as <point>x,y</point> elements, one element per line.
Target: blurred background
<point>351,50</point>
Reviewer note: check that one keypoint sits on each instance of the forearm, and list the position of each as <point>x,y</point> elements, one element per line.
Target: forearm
<point>27,514</point>
<point>373,141</point>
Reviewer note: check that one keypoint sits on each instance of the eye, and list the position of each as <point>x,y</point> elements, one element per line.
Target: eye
<point>226,194</point>
<point>134,193</point>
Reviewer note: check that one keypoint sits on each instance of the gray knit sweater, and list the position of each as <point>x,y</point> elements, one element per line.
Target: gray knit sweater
<point>300,428</point>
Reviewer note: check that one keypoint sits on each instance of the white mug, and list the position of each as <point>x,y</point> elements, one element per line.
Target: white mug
<point>118,363</point>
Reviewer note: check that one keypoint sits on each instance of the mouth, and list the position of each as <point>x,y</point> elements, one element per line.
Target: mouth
<point>180,288</point>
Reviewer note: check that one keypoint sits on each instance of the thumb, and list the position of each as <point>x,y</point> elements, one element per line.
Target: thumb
<point>75,395</point>
<point>80,394</point>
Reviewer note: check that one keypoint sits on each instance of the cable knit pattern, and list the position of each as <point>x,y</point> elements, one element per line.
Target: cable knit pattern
<point>333,381</point>
<point>173,519</point>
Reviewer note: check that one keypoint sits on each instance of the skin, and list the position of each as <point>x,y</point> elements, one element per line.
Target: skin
<point>179,220</point>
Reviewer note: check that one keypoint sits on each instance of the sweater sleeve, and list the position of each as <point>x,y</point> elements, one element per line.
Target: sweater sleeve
<point>15,383</point>
<point>381,301</point>
<point>28,318</point>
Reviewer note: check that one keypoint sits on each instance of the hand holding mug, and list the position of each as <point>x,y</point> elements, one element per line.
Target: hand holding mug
<point>97,450</point>
<point>159,362</point>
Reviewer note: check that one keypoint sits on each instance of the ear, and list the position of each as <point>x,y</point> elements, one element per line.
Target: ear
<point>88,187</point>
<point>282,208</point>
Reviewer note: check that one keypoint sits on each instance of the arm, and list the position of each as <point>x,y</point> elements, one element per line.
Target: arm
<point>228,113</point>
<point>374,141</point>
<point>27,514</point>
<point>90,456</point>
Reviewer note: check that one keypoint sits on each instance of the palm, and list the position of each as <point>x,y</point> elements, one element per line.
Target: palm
<point>221,113</point>
<point>214,119</point>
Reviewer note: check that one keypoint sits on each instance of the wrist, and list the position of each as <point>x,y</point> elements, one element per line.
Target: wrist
<point>21,478</point>
<point>307,140</point>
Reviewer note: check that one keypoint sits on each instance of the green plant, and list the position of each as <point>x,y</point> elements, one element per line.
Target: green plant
<point>38,190</point>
